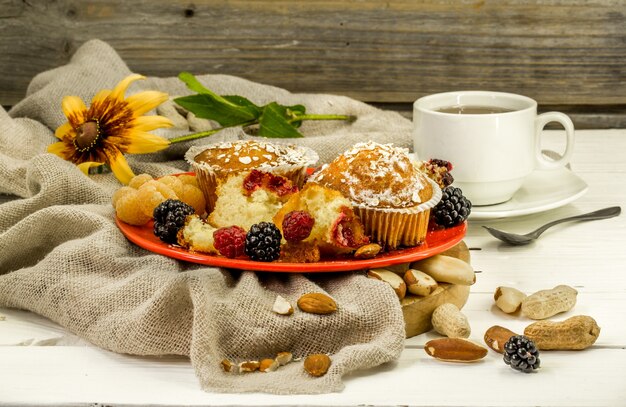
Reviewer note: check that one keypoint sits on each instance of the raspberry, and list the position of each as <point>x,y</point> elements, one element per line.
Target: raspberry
<point>281,186</point>
<point>230,241</point>
<point>297,226</point>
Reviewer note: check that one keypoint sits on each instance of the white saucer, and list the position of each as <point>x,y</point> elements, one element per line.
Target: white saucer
<point>541,191</point>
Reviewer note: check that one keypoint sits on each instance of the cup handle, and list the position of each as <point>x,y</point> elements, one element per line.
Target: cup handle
<point>540,123</point>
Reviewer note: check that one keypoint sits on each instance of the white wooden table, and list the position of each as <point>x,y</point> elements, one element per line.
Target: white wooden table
<point>41,364</point>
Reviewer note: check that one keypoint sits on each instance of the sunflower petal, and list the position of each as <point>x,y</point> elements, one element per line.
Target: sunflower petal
<point>74,109</point>
<point>120,88</point>
<point>100,96</point>
<point>84,167</point>
<point>142,142</point>
<point>147,123</point>
<point>120,166</point>
<point>143,102</point>
<point>59,148</point>
<point>64,131</point>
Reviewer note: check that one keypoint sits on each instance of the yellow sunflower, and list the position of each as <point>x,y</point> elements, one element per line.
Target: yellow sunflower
<point>110,127</point>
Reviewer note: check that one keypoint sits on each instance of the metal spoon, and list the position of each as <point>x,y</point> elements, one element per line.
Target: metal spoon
<point>516,240</point>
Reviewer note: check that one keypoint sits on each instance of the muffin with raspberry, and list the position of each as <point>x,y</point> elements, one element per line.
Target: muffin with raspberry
<point>320,217</point>
<point>250,197</point>
<point>215,163</point>
<point>389,193</point>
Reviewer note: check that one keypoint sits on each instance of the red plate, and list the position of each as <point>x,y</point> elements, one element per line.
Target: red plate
<point>437,241</point>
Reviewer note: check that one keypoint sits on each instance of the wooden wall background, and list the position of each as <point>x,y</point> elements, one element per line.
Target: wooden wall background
<point>569,55</point>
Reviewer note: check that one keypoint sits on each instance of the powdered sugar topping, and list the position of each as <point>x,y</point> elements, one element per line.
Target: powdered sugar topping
<point>376,175</point>
<point>262,154</point>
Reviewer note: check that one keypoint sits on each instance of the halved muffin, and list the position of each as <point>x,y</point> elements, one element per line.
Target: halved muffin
<point>215,163</point>
<point>250,197</point>
<point>336,228</point>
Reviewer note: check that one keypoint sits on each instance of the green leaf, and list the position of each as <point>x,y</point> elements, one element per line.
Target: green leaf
<point>274,123</point>
<point>193,83</point>
<point>243,102</point>
<point>207,107</point>
<point>228,110</point>
<point>292,112</point>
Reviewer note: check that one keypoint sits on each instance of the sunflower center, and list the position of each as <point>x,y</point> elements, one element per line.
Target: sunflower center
<point>87,135</point>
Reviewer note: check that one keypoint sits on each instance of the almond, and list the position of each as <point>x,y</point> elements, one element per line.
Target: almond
<point>249,366</point>
<point>283,358</point>
<point>268,365</point>
<point>367,251</point>
<point>496,337</point>
<point>317,303</point>
<point>317,365</point>
<point>227,365</point>
<point>282,306</point>
<point>455,350</point>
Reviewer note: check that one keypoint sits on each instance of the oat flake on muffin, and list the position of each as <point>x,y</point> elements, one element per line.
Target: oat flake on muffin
<point>377,175</point>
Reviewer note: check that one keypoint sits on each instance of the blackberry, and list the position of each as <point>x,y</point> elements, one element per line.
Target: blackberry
<point>521,354</point>
<point>169,218</point>
<point>263,242</point>
<point>453,208</point>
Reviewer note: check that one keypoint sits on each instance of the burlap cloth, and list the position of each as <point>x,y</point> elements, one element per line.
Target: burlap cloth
<point>62,256</point>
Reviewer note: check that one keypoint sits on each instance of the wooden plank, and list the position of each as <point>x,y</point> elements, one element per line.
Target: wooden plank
<point>85,376</point>
<point>11,8</point>
<point>558,52</point>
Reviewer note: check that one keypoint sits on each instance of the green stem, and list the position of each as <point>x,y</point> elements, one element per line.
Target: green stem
<point>194,136</point>
<point>206,133</point>
<point>348,118</point>
<point>202,134</point>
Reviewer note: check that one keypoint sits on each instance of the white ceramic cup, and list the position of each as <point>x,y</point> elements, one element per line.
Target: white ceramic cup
<point>491,153</point>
